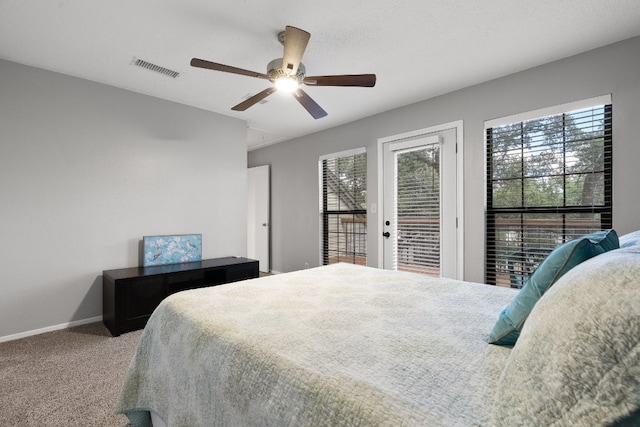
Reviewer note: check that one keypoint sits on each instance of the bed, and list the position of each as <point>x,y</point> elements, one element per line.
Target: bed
<point>347,345</point>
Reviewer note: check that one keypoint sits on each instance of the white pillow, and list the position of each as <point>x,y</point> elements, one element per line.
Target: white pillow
<point>577,361</point>
<point>630,239</point>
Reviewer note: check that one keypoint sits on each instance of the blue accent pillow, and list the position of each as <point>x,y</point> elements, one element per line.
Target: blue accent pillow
<point>561,260</point>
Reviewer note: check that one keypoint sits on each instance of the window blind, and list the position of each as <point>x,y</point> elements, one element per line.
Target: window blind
<point>418,210</point>
<point>549,180</point>
<point>343,184</point>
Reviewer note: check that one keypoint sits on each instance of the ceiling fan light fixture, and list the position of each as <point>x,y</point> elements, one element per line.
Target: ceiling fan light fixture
<point>288,73</point>
<point>286,84</point>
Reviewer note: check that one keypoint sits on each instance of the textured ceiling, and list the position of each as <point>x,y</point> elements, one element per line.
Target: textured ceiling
<point>417,48</point>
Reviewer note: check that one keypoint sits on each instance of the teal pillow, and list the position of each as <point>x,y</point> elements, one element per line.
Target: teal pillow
<point>561,260</point>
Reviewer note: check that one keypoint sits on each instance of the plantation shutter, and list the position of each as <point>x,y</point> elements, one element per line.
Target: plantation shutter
<point>549,180</point>
<point>343,201</point>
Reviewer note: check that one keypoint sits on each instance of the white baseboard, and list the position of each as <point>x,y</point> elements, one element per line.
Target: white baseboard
<point>50,329</point>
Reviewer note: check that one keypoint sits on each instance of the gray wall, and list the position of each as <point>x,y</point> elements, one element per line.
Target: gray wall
<point>86,170</point>
<point>613,69</point>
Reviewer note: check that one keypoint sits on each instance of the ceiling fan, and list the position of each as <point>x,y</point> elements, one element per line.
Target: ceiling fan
<point>287,73</point>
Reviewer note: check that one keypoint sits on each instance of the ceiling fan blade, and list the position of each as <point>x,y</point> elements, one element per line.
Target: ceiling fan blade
<point>201,63</point>
<point>254,99</point>
<point>362,80</point>
<point>309,104</point>
<point>295,42</point>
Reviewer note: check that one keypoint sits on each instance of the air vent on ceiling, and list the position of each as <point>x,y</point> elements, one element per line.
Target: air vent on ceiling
<point>155,68</point>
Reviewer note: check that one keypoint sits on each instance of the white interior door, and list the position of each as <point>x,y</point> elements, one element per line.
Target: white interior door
<point>420,204</point>
<point>258,199</point>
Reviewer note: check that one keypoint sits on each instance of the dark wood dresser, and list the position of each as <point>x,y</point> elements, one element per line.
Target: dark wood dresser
<point>129,295</point>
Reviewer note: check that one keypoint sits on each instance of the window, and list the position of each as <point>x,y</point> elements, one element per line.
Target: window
<point>548,181</point>
<point>343,207</point>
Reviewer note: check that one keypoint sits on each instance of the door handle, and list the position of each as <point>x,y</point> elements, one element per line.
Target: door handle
<point>386,234</point>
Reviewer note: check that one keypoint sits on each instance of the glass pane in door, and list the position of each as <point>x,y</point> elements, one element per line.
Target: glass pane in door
<point>417,202</point>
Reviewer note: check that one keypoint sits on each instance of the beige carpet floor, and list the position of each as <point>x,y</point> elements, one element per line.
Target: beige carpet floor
<point>65,378</point>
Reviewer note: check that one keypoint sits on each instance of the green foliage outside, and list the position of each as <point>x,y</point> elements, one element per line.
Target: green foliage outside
<point>553,161</point>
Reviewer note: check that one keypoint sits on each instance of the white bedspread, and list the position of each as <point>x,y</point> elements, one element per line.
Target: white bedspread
<point>331,346</point>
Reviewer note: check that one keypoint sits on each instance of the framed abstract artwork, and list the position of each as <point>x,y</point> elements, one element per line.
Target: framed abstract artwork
<point>171,249</point>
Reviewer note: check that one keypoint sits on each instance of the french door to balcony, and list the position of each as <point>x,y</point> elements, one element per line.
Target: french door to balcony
<point>419,222</point>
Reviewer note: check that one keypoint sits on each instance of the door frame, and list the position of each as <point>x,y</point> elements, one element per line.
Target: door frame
<point>259,215</point>
<point>459,127</point>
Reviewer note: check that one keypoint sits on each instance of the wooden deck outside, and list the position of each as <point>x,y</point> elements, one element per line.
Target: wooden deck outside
<point>501,278</point>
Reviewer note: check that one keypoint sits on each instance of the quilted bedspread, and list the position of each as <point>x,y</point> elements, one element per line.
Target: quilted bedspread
<point>330,346</point>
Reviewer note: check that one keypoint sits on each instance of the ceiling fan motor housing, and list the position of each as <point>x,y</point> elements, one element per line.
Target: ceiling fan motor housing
<point>275,71</point>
